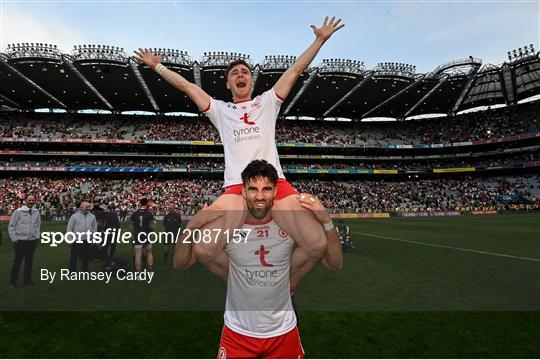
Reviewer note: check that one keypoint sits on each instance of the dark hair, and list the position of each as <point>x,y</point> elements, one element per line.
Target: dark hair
<point>233,64</point>
<point>143,202</point>
<point>259,169</point>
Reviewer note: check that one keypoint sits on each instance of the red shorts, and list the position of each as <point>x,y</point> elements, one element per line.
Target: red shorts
<point>284,189</point>
<point>234,345</point>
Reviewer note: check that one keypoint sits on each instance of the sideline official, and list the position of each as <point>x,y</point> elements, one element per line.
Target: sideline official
<point>24,230</point>
<point>79,223</point>
<point>172,223</point>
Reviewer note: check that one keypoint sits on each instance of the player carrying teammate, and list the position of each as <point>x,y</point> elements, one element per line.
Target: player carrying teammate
<point>142,223</point>
<point>259,316</point>
<point>247,131</point>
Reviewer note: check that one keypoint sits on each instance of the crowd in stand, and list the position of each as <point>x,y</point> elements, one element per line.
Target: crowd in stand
<point>185,129</point>
<point>58,198</point>
<point>218,164</point>
<point>496,123</point>
<point>195,164</point>
<point>446,194</point>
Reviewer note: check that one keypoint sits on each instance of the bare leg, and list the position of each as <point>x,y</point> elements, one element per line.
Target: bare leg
<point>138,256</point>
<point>302,225</point>
<point>233,218</point>
<point>149,258</point>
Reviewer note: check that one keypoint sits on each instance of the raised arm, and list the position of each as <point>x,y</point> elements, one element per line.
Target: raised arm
<point>286,82</point>
<point>195,93</point>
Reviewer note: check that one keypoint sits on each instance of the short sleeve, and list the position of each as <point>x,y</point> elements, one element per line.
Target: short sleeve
<point>279,99</point>
<point>213,112</point>
<point>272,101</point>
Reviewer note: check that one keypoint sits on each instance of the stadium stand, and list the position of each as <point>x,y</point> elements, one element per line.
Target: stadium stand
<point>420,162</point>
<point>57,198</point>
<point>504,159</point>
<point>496,123</point>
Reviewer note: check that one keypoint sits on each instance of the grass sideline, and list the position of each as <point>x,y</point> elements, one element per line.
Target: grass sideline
<point>394,298</point>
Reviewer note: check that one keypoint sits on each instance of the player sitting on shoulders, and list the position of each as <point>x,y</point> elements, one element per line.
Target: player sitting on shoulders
<point>247,131</point>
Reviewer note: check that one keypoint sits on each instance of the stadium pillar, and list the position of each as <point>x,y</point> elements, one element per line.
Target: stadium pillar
<point>405,89</point>
<point>350,93</point>
<point>509,84</point>
<point>306,85</point>
<point>468,84</point>
<point>32,83</point>
<point>442,79</point>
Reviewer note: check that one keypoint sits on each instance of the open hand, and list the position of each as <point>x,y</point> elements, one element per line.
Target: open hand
<point>312,203</point>
<point>327,28</point>
<point>147,57</point>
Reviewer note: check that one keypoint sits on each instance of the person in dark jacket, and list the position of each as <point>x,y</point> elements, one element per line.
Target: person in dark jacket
<point>110,221</point>
<point>172,223</point>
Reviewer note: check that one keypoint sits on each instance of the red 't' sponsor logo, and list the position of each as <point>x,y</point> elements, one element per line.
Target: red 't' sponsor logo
<point>262,252</point>
<point>245,118</point>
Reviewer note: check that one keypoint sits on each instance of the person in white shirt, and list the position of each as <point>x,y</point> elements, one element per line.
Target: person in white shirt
<point>247,131</point>
<point>259,317</point>
<point>24,230</point>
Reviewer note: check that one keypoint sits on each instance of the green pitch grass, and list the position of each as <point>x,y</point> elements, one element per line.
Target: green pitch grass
<point>422,287</point>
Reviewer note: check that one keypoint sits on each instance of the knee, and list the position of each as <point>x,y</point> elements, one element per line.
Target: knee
<point>204,253</point>
<point>316,249</point>
<point>315,241</point>
<point>180,264</point>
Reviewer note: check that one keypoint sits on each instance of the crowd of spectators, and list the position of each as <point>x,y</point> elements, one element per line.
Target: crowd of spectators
<point>213,164</point>
<point>444,194</point>
<point>515,120</point>
<point>195,164</point>
<point>58,198</point>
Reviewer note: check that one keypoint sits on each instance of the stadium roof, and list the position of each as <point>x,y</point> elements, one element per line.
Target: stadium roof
<point>99,77</point>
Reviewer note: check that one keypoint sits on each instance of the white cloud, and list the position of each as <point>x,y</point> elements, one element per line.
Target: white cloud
<point>17,26</point>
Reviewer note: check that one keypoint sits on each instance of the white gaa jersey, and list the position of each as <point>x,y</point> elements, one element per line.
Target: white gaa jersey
<point>248,132</point>
<point>258,288</point>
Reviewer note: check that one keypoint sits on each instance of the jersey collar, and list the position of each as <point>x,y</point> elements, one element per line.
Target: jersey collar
<point>241,101</point>
<point>258,222</point>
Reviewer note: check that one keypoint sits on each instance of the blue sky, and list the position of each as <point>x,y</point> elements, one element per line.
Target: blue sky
<point>422,33</point>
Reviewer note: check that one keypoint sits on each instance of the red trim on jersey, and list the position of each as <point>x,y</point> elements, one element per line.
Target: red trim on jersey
<point>284,189</point>
<point>279,97</point>
<point>257,222</point>
<point>241,101</point>
<point>208,108</point>
<point>234,189</point>
<point>234,345</point>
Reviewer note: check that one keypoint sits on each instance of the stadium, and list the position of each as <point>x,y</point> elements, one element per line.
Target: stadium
<point>442,199</point>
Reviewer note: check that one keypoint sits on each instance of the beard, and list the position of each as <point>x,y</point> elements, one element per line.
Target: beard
<point>258,213</point>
